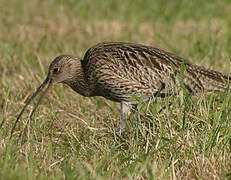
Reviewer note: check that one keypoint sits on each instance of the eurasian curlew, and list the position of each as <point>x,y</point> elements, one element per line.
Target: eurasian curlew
<point>119,71</point>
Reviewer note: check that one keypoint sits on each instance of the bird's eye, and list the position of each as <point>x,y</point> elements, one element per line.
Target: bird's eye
<point>55,70</point>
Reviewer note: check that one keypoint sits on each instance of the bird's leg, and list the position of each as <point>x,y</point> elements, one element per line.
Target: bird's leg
<point>125,110</point>
<point>126,107</point>
<point>157,94</point>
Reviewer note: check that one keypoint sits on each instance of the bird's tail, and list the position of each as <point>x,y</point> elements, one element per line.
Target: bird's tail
<point>207,80</point>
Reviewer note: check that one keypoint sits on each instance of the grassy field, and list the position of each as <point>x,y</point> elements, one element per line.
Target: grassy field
<point>69,137</point>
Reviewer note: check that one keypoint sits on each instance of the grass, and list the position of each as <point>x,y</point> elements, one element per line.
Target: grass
<point>69,136</point>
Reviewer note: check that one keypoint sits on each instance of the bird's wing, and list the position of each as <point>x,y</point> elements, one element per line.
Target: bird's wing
<point>134,68</point>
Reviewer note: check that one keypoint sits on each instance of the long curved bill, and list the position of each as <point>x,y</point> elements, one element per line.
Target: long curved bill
<point>50,84</point>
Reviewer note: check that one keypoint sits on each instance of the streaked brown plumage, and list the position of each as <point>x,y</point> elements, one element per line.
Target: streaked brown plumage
<point>117,71</point>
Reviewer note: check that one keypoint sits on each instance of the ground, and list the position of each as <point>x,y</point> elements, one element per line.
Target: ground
<point>69,136</point>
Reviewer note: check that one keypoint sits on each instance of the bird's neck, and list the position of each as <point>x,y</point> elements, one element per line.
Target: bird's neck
<point>77,80</point>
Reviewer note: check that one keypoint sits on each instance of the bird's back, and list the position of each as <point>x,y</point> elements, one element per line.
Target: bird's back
<point>119,70</point>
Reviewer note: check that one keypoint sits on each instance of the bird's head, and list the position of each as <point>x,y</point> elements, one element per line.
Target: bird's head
<point>61,70</point>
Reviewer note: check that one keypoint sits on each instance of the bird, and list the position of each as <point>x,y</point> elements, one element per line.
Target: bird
<point>121,71</point>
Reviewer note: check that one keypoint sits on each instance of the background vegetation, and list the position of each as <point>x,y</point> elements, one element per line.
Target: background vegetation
<point>69,136</point>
